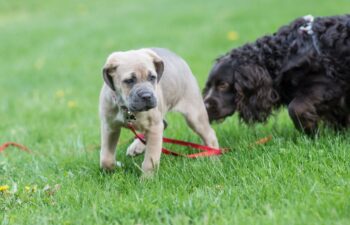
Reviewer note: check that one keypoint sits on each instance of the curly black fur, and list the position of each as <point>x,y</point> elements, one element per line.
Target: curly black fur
<point>310,73</point>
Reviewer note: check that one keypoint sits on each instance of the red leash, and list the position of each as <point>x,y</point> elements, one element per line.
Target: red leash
<point>206,150</point>
<point>14,144</point>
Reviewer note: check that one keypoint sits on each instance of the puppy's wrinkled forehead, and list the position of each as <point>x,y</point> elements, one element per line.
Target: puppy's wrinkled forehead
<point>136,62</point>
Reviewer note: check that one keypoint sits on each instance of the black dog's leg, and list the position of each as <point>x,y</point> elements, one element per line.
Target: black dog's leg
<point>316,102</point>
<point>304,115</point>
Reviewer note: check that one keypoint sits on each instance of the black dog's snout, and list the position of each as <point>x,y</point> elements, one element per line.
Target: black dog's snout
<point>210,103</point>
<point>213,108</point>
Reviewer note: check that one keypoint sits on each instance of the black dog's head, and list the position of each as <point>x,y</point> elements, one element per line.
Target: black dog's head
<point>237,83</point>
<point>219,92</point>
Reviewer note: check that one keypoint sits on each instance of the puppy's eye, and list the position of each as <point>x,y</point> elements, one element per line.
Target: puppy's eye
<point>152,77</point>
<point>129,81</point>
<point>223,86</point>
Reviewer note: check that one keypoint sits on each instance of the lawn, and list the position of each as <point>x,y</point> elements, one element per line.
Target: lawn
<point>51,55</point>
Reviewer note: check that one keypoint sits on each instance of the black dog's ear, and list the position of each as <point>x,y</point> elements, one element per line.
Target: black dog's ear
<point>255,94</point>
<point>107,69</point>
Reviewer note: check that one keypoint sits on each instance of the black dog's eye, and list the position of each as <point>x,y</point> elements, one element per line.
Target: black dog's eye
<point>152,77</point>
<point>130,81</point>
<point>223,86</point>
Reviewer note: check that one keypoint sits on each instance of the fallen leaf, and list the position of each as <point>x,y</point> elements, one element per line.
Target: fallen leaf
<point>51,190</point>
<point>263,140</point>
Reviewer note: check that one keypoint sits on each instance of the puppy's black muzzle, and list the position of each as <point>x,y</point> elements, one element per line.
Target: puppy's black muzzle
<point>141,99</point>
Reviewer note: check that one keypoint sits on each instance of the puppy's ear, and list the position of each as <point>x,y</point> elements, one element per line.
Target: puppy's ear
<point>107,69</point>
<point>158,64</point>
<point>255,94</point>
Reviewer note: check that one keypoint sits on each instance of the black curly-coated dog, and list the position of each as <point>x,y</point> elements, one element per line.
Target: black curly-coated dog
<point>304,65</point>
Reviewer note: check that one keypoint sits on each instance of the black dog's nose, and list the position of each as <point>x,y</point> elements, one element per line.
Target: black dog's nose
<point>145,96</point>
<point>208,104</point>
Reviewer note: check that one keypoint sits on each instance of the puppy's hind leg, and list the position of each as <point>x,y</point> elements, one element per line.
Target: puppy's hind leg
<point>197,118</point>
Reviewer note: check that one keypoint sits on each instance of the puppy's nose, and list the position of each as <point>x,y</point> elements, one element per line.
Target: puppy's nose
<point>145,96</point>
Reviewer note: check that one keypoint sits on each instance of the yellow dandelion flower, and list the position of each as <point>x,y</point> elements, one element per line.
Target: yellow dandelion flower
<point>232,36</point>
<point>60,93</point>
<point>72,104</point>
<point>83,9</point>
<point>33,188</point>
<point>109,43</point>
<point>39,63</point>
<point>4,188</point>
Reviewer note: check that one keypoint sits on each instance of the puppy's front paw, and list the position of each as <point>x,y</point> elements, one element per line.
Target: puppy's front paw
<point>147,176</point>
<point>109,165</point>
<point>136,148</point>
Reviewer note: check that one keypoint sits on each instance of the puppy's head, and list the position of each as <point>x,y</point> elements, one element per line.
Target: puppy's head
<point>134,76</point>
<point>239,85</point>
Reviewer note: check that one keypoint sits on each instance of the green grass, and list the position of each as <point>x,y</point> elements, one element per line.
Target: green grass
<point>51,56</point>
